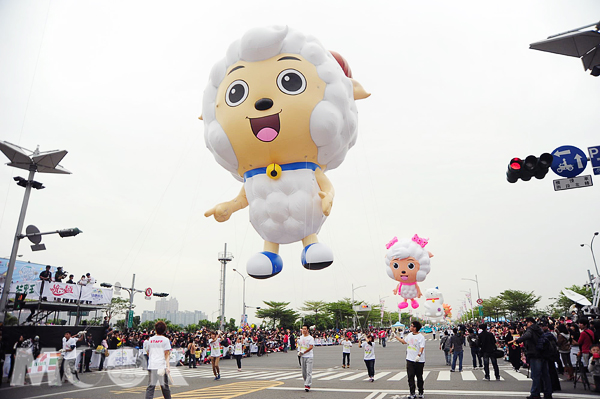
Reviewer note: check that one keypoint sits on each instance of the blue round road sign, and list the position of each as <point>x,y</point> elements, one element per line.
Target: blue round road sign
<point>568,161</point>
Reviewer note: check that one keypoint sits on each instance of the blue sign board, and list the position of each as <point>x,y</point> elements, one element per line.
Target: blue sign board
<point>595,158</point>
<point>568,161</point>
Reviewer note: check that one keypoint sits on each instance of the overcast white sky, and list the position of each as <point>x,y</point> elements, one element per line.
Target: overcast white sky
<point>456,93</point>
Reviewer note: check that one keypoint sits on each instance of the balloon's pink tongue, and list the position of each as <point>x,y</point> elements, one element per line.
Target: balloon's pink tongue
<point>267,134</point>
<point>404,277</point>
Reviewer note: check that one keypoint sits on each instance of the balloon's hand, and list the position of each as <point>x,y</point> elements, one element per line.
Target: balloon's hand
<point>326,202</point>
<point>221,212</point>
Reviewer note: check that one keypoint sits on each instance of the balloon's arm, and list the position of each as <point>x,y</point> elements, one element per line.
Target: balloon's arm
<point>396,290</point>
<point>224,210</point>
<point>327,192</point>
<point>419,293</point>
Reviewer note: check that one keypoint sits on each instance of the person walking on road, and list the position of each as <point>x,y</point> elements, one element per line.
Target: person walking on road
<point>306,344</point>
<point>159,351</point>
<point>238,352</point>
<point>487,345</point>
<point>369,346</point>
<point>347,349</point>
<point>473,341</point>
<point>415,358</point>
<point>457,341</point>
<point>445,346</point>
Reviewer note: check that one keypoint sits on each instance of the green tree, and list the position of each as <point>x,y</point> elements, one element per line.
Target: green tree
<point>118,306</point>
<point>563,303</point>
<point>341,312</point>
<point>519,303</point>
<point>493,307</point>
<point>314,306</point>
<point>277,312</point>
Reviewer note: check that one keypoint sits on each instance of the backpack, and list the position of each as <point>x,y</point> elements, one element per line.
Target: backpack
<point>547,348</point>
<point>445,342</point>
<point>473,340</point>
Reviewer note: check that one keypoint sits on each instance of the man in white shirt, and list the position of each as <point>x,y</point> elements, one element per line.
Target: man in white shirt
<point>305,351</point>
<point>159,351</point>
<point>415,358</point>
<point>90,279</point>
<point>70,355</point>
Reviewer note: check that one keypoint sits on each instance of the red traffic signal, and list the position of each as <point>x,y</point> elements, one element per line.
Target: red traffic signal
<point>532,166</point>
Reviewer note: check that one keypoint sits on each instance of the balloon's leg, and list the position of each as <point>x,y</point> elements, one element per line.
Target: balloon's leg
<point>265,264</point>
<point>315,255</point>
<point>403,305</point>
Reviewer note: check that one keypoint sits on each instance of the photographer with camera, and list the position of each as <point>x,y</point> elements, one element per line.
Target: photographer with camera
<point>59,275</point>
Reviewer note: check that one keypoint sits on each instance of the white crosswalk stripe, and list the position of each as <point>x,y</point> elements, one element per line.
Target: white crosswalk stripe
<point>355,376</point>
<point>392,376</point>
<point>380,375</point>
<point>335,376</point>
<point>398,376</point>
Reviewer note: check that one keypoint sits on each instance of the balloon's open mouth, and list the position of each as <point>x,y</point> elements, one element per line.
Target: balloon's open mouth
<point>404,277</point>
<point>266,128</point>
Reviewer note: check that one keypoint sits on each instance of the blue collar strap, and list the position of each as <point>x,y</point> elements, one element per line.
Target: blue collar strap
<point>287,166</point>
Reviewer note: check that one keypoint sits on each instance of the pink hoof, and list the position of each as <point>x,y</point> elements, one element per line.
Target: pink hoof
<point>402,305</point>
<point>414,304</point>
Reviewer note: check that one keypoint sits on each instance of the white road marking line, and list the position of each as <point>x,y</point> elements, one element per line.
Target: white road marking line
<point>378,376</point>
<point>331,377</point>
<point>517,375</point>
<point>468,376</point>
<point>355,376</point>
<point>398,376</point>
<point>444,375</point>
<point>320,374</point>
<point>278,374</point>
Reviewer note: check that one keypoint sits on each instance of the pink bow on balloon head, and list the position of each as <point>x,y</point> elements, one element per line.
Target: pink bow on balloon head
<point>421,241</point>
<point>392,242</point>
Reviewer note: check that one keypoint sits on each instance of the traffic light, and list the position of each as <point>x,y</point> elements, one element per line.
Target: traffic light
<point>69,232</point>
<point>532,166</point>
<point>20,301</point>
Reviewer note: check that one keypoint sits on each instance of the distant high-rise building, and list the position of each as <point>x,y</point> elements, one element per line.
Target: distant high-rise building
<point>168,309</point>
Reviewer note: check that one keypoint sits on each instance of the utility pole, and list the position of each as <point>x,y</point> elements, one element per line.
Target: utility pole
<point>223,258</point>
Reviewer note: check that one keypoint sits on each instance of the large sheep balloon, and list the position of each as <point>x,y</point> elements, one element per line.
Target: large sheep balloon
<point>407,262</point>
<point>278,112</point>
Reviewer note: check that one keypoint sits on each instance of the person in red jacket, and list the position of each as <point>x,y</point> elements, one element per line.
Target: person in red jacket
<point>586,339</point>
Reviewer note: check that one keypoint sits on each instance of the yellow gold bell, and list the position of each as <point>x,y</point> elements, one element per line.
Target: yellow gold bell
<point>274,171</point>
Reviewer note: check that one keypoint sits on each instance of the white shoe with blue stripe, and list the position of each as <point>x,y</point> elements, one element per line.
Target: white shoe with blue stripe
<point>264,265</point>
<point>316,256</point>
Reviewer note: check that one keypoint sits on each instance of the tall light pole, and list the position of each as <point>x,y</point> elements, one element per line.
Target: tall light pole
<point>244,317</point>
<point>592,249</point>
<point>35,161</point>
<point>354,317</point>
<point>223,258</point>
<point>478,294</point>
<point>593,283</point>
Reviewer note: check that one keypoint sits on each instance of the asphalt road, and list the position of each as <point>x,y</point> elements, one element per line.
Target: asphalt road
<point>278,376</point>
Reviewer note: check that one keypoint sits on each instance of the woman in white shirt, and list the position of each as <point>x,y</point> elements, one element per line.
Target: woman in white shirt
<point>238,352</point>
<point>369,347</point>
<point>215,353</point>
<point>347,348</point>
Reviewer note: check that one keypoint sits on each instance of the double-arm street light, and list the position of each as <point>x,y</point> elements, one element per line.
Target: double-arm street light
<point>354,318</point>
<point>592,249</point>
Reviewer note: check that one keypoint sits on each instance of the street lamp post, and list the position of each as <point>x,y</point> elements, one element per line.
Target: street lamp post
<point>244,317</point>
<point>478,294</point>
<point>354,317</point>
<point>595,292</point>
<point>35,161</point>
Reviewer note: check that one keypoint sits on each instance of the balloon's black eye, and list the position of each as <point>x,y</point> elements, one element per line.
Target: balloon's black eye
<point>395,266</point>
<point>291,82</point>
<point>411,266</point>
<point>237,92</point>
